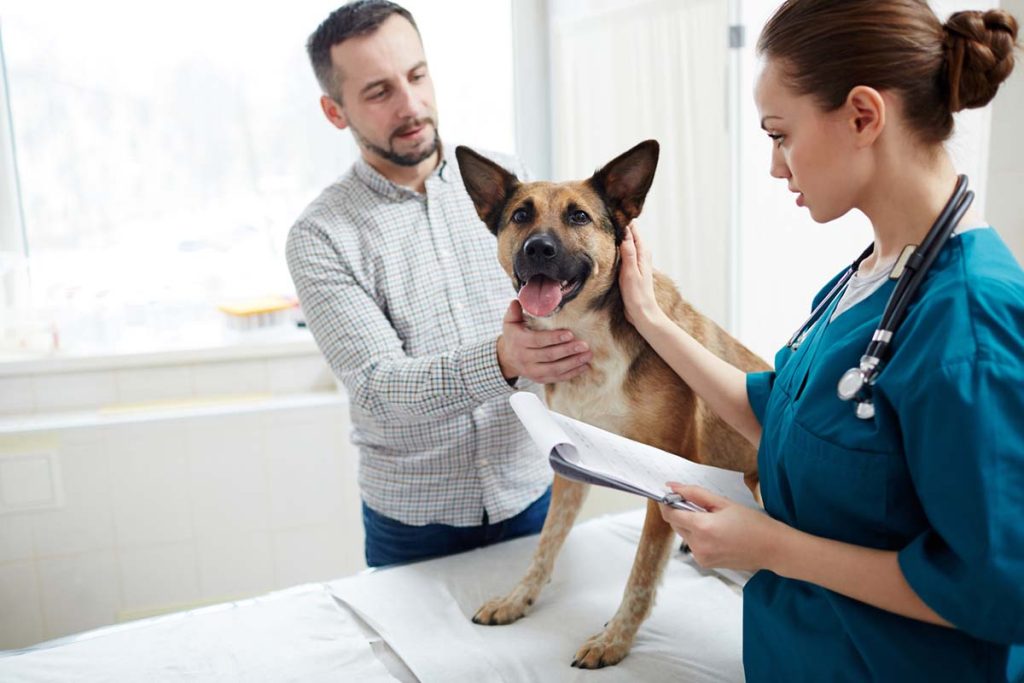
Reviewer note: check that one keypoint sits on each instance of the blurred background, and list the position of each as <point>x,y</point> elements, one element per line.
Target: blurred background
<point>169,436</point>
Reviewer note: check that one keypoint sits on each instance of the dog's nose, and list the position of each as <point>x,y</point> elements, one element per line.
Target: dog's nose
<point>540,247</point>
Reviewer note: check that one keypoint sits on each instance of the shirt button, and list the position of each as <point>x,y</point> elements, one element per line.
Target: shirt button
<point>484,462</point>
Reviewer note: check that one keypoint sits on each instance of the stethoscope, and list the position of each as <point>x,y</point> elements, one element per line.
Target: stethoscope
<point>910,269</point>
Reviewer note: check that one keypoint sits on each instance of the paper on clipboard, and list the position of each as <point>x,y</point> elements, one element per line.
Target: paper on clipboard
<point>586,453</point>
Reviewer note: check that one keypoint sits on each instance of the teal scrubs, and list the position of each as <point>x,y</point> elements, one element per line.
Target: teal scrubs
<point>937,475</point>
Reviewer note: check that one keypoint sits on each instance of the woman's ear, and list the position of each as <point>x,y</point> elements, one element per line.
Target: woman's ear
<point>867,111</point>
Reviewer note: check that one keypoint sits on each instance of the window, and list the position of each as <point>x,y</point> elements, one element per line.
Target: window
<point>162,153</point>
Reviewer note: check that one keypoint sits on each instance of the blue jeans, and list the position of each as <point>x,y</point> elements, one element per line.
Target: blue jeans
<point>389,541</point>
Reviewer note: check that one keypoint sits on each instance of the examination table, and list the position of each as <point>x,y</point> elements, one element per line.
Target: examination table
<point>412,623</point>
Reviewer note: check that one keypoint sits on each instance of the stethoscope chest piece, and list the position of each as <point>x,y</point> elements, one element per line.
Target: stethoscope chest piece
<point>851,383</point>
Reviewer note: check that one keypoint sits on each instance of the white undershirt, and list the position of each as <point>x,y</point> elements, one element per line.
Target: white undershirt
<point>860,287</point>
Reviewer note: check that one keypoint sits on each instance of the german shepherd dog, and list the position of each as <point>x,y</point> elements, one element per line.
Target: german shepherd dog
<point>559,242</point>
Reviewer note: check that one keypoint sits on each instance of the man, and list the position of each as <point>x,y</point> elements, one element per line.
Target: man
<point>403,292</point>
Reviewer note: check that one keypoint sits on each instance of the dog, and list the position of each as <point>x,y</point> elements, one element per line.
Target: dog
<point>559,243</point>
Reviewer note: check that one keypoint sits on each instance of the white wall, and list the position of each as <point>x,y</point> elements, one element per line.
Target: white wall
<point>132,491</point>
<point>1005,205</point>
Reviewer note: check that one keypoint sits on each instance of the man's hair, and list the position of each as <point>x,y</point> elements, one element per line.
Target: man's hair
<point>357,18</point>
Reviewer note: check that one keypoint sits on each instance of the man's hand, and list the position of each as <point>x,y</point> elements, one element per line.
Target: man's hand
<point>542,356</point>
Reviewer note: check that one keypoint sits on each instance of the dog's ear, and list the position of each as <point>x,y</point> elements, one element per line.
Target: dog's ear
<point>624,181</point>
<point>488,184</point>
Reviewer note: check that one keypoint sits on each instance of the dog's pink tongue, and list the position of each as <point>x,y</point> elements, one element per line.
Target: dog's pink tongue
<point>540,296</point>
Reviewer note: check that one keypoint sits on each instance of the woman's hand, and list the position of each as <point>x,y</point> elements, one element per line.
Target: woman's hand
<point>727,535</point>
<point>636,281</point>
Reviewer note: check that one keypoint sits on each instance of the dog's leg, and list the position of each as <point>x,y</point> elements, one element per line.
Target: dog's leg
<point>612,645</point>
<point>566,500</point>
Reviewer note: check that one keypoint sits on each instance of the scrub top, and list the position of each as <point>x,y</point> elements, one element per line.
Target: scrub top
<point>937,475</point>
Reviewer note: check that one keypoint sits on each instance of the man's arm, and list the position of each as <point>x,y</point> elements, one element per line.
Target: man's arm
<point>366,354</point>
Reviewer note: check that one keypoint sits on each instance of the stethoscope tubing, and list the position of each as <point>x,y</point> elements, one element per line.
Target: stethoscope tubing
<point>916,268</point>
<point>855,384</point>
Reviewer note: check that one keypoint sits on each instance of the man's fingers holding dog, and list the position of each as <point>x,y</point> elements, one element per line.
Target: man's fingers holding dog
<point>534,339</point>
<point>543,356</point>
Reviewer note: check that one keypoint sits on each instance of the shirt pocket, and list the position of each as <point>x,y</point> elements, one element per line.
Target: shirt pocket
<point>834,490</point>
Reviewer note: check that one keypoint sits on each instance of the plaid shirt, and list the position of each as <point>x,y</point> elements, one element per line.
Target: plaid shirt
<point>404,295</point>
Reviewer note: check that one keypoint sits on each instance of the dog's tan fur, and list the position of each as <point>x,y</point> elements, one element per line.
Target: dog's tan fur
<point>628,389</point>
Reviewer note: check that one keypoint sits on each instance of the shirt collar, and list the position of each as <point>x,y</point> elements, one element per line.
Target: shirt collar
<point>372,178</point>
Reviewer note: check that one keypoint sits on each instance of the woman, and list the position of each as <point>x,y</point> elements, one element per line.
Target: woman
<point>893,547</point>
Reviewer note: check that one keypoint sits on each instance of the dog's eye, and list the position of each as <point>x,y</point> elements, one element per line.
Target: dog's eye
<point>579,217</point>
<point>520,216</point>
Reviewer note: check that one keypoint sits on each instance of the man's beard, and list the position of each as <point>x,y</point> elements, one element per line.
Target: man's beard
<point>394,157</point>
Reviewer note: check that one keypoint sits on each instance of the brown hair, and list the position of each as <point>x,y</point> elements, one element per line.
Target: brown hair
<point>828,47</point>
<point>356,18</point>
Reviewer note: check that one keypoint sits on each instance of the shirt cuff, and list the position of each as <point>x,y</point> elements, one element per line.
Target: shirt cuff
<point>759,390</point>
<point>481,374</point>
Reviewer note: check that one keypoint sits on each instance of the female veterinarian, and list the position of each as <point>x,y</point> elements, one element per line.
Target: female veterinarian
<point>893,547</point>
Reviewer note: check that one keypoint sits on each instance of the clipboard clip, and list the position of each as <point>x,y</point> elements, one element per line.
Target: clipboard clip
<point>680,503</point>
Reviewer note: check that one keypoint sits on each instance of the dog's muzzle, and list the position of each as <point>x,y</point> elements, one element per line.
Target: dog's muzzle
<point>547,275</point>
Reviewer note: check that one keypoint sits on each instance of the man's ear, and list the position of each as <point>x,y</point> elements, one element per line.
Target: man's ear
<point>488,184</point>
<point>866,109</point>
<point>334,113</point>
<point>624,181</point>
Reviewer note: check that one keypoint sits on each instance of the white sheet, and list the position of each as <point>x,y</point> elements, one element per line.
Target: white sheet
<point>301,634</point>
<point>423,611</point>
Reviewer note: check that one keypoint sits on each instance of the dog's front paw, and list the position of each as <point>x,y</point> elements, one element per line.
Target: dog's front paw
<point>604,649</point>
<point>501,611</point>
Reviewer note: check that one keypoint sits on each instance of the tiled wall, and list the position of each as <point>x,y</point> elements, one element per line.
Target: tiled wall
<point>164,499</point>
<point>161,487</point>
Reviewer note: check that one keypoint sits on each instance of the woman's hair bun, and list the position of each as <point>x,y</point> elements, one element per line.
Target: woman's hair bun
<point>979,51</point>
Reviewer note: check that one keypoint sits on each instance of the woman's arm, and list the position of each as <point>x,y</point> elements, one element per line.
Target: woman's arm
<point>865,574</point>
<point>722,386</point>
<point>734,536</point>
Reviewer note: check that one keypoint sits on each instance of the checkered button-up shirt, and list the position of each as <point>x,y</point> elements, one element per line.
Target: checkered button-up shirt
<point>404,295</point>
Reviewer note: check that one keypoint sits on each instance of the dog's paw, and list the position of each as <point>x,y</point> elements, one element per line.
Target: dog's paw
<point>604,649</point>
<point>501,611</point>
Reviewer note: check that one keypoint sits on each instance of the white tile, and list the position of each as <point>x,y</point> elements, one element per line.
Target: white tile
<point>233,377</point>
<point>16,395</point>
<point>84,465</point>
<point>22,621</point>
<point>150,484</point>
<point>159,576</point>
<point>15,537</point>
<point>29,480</point>
<point>227,475</point>
<point>302,465</point>
<point>72,529</point>
<point>74,391</point>
<point>235,565</point>
<point>142,385</point>
<point>345,538</point>
<point>78,592</point>
<point>299,374</point>
<point>313,553</point>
